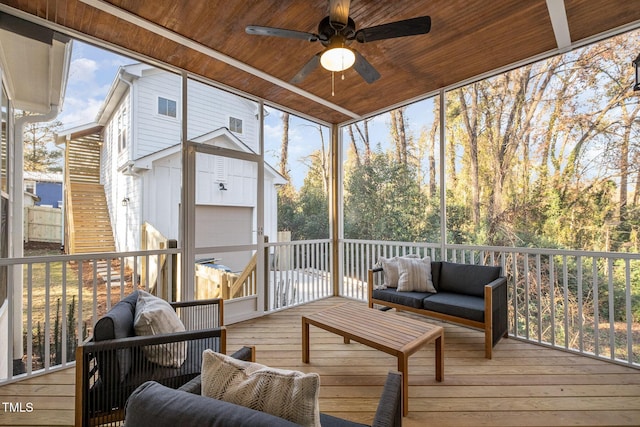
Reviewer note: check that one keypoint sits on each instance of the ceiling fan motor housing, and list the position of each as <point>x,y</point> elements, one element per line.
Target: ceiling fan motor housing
<point>328,29</point>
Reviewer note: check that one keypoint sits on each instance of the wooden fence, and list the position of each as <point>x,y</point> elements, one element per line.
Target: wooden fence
<point>42,224</point>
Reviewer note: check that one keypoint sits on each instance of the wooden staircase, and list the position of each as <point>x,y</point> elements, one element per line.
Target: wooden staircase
<point>87,221</point>
<point>92,225</point>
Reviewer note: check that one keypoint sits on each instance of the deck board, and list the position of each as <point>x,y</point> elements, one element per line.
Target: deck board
<point>523,385</point>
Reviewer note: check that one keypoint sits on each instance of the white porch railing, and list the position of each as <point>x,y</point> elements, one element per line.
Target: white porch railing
<point>571,300</point>
<point>59,299</point>
<point>298,272</point>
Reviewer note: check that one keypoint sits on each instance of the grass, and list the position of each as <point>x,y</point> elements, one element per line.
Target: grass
<point>50,284</point>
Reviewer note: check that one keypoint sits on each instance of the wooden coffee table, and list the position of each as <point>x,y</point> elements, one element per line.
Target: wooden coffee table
<point>385,331</point>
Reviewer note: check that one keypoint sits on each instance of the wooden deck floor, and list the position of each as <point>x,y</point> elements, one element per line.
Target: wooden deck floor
<point>523,385</point>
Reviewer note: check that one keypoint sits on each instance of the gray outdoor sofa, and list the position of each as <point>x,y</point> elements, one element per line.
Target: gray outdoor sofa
<point>155,405</point>
<point>468,294</point>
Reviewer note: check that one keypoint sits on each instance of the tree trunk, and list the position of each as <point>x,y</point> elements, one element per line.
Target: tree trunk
<point>470,120</point>
<point>284,148</point>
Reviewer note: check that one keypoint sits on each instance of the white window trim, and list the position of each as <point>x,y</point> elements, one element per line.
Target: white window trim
<point>229,117</point>
<point>166,116</point>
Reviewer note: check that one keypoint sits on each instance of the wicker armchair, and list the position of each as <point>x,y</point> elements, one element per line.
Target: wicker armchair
<point>112,362</point>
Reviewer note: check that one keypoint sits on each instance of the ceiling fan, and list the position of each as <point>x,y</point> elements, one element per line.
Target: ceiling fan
<point>336,32</point>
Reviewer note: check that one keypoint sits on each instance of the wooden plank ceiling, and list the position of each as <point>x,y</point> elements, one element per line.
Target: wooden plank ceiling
<point>468,38</point>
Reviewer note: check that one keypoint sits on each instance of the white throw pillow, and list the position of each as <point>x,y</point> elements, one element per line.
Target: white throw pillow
<point>414,274</point>
<point>291,395</point>
<point>390,271</point>
<point>154,316</point>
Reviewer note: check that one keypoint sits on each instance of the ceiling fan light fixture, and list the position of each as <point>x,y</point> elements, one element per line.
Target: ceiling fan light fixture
<point>337,58</point>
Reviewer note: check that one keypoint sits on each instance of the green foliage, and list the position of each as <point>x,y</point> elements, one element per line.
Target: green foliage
<point>40,153</point>
<point>384,201</point>
<point>305,213</point>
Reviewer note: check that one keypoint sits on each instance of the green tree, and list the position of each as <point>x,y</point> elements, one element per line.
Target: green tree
<point>384,201</point>
<point>40,154</point>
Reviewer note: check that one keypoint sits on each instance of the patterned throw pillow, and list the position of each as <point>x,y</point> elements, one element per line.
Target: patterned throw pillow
<point>390,271</point>
<point>291,395</point>
<point>154,316</point>
<point>414,274</point>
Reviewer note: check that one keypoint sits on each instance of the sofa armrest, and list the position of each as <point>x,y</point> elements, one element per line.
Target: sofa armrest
<point>495,312</point>
<point>371,281</point>
<point>246,353</point>
<point>389,412</point>
<point>200,314</point>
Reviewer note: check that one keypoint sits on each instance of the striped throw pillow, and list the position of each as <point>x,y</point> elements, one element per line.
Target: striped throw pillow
<point>414,274</point>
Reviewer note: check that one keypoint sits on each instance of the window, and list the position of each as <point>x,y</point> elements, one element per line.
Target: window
<point>167,107</point>
<point>122,129</point>
<point>30,187</point>
<point>235,124</point>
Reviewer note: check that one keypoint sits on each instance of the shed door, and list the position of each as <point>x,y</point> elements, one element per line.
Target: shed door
<point>228,226</point>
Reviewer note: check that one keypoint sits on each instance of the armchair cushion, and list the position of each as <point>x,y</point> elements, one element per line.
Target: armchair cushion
<point>155,316</point>
<point>118,323</point>
<point>291,395</point>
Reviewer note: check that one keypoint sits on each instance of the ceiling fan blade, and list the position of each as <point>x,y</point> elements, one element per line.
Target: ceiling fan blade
<point>366,70</point>
<point>339,12</point>
<point>307,69</point>
<point>280,32</point>
<point>408,27</point>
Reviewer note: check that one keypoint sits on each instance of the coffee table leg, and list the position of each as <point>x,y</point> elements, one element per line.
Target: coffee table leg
<point>305,340</point>
<point>403,367</point>
<point>440,358</point>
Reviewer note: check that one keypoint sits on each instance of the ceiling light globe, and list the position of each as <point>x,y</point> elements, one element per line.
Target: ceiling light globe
<point>337,59</point>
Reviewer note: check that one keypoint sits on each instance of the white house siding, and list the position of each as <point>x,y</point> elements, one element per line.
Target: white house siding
<point>210,109</point>
<point>154,132</point>
<point>154,188</point>
<point>162,191</point>
<point>127,223</point>
<point>125,219</point>
<point>162,186</point>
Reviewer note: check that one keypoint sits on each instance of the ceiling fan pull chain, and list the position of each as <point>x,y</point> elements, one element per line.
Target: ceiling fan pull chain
<point>333,84</point>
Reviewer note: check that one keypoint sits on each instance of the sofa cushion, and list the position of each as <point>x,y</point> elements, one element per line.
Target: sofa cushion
<point>291,395</point>
<point>117,323</point>
<point>409,299</point>
<point>155,316</point>
<point>155,405</point>
<point>465,306</point>
<point>435,274</point>
<point>414,274</point>
<point>466,279</point>
<point>331,421</point>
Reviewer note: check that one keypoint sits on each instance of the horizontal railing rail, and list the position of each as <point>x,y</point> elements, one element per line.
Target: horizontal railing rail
<point>578,301</point>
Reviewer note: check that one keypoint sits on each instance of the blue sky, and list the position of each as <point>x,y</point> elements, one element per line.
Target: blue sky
<point>91,73</point>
